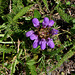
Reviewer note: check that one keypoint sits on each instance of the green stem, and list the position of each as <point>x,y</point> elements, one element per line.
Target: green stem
<point>0,2</point>
<point>3,57</point>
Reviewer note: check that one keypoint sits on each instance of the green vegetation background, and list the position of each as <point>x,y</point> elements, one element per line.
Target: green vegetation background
<point>16,52</point>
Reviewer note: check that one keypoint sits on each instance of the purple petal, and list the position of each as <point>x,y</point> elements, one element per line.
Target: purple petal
<point>29,33</point>
<point>43,44</point>
<point>39,42</point>
<point>36,22</point>
<point>45,22</point>
<point>35,43</point>
<point>50,43</point>
<point>33,36</point>
<point>51,22</point>
<point>54,31</point>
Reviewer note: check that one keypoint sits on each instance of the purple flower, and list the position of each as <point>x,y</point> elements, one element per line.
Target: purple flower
<point>29,33</point>
<point>45,22</point>
<point>36,22</point>
<point>35,43</point>
<point>51,22</point>
<point>50,43</point>
<point>43,44</point>
<point>42,35</point>
<point>33,36</point>
<point>54,31</point>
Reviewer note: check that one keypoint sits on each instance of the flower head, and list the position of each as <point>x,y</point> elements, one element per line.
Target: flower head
<point>42,35</point>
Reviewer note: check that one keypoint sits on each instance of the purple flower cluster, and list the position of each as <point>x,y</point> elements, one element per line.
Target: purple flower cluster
<point>41,35</point>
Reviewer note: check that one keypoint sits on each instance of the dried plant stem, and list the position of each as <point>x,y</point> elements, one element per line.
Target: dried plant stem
<point>40,7</point>
<point>66,31</point>
<point>25,51</point>
<point>18,45</point>
<point>10,7</point>
<point>25,54</point>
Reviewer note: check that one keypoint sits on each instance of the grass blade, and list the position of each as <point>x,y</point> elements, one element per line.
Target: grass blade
<point>22,12</point>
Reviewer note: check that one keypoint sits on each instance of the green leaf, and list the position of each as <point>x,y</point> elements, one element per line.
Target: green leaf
<point>6,50</point>
<point>36,50</point>
<point>45,2</point>
<point>6,42</point>
<point>73,29</point>
<point>37,14</point>
<point>22,12</point>
<point>0,2</point>
<point>58,57</point>
<point>1,35</point>
<point>20,61</point>
<point>17,5</point>
<point>68,3</point>
<point>73,5</point>
<point>31,62</point>
<point>28,18</point>
<point>31,66</point>
<point>69,54</point>
<point>5,36</point>
<point>13,67</point>
<point>32,69</point>
<point>15,62</point>
<point>73,21</point>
